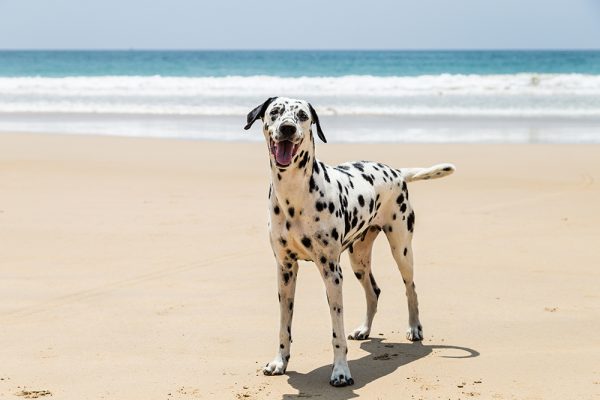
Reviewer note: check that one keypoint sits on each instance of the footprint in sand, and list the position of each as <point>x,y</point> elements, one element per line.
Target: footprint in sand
<point>33,394</point>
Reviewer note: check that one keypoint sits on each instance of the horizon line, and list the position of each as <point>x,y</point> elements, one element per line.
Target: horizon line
<point>300,50</point>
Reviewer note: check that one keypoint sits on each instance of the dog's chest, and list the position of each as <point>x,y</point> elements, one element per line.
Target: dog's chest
<point>307,228</point>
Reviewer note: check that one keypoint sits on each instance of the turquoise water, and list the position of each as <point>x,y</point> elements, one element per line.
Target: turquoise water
<point>293,63</point>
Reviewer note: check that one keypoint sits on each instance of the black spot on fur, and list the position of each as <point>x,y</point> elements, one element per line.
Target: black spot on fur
<point>331,266</point>
<point>358,275</point>
<point>334,234</point>
<point>305,159</point>
<point>403,207</point>
<point>374,285</point>
<point>319,206</point>
<point>371,205</point>
<point>405,251</point>
<point>400,199</point>
<point>343,171</point>
<point>324,260</point>
<point>311,185</point>
<point>361,200</point>
<point>367,178</point>
<point>331,207</point>
<point>325,172</point>
<point>306,242</point>
<point>276,210</point>
<point>287,225</point>
<point>410,221</point>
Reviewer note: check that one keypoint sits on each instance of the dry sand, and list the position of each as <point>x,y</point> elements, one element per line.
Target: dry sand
<point>140,269</point>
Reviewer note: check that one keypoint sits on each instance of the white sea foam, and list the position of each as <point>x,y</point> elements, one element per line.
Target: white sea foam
<point>479,95</point>
<point>358,85</point>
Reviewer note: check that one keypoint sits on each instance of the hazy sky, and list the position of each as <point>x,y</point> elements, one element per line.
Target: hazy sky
<point>302,24</point>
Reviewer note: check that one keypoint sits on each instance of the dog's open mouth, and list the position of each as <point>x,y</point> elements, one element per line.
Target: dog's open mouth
<point>283,151</point>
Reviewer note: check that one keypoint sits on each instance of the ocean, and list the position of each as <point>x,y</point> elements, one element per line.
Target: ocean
<point>361,96</point>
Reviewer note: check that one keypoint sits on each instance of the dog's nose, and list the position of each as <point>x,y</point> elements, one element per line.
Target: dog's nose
<point>287,130</point>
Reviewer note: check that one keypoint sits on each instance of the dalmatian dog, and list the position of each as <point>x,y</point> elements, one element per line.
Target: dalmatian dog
<point>318,211</point>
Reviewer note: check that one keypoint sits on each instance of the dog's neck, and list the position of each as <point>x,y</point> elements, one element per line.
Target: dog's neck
<point>289,184</point>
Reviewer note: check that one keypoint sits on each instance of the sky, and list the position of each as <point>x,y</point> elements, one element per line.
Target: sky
<point>302,24</point>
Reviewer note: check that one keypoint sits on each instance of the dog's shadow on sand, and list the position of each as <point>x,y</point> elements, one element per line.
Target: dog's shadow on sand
<point>383,359</point>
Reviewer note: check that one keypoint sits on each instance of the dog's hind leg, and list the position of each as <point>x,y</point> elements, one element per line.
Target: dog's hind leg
<point>286,276</point>
<point>399,235</point>
<point>360,258</point>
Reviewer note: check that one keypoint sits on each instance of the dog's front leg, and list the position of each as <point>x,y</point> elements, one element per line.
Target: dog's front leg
<point>286,275</point>
<point>332,276</point>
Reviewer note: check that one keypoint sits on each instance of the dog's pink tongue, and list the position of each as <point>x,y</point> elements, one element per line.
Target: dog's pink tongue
<point>283,152</point>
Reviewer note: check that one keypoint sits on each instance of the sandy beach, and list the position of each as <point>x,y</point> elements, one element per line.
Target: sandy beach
<point>141,269</point>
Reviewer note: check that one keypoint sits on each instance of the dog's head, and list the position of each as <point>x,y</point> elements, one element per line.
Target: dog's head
<point>286,126</point>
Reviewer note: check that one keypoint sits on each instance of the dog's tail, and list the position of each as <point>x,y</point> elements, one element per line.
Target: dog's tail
<point>437,171</point>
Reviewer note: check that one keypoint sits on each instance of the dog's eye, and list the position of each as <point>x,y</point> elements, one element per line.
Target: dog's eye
<point>302,116</point>
<point>274,111</point>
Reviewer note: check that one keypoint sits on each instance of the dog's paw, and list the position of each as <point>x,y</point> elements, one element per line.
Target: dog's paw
<point>360,333</point>
<point>340,376</point>
<point>415,333</point>
<point>275,367</point>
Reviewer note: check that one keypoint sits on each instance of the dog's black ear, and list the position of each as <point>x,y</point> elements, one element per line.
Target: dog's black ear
<point>315,119</point>
<point>258,112</point>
